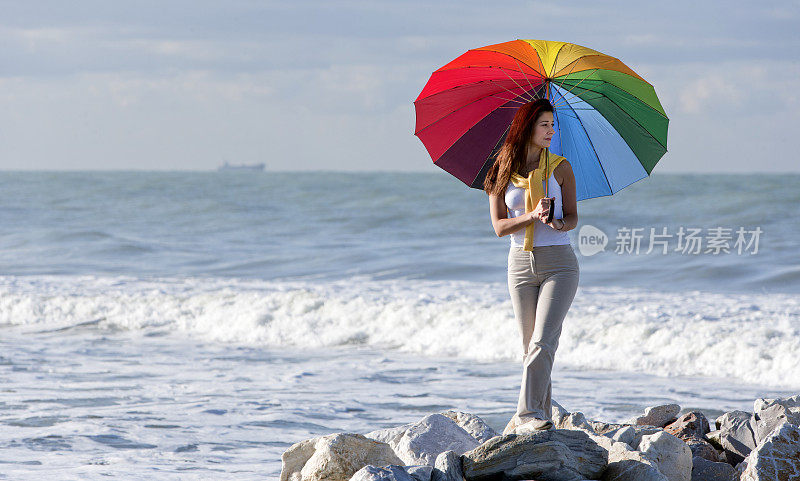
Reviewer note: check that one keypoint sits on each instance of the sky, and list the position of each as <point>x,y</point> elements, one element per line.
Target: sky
<point>329,85</point>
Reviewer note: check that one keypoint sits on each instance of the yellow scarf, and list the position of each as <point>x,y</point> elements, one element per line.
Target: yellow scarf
<point>534,187</point>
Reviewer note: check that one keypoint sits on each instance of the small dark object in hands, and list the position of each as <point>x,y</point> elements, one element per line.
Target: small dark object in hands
<point>551,210</point>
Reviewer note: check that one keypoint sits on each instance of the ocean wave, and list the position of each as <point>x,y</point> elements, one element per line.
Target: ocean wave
<point>749,337</point>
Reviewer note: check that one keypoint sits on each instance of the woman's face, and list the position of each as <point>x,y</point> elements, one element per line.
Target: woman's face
<point>543,130</point>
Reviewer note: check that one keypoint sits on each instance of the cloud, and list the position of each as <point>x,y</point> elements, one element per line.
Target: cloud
<point>726,87</point>
<point>178,84</point>
<point>702,92</point>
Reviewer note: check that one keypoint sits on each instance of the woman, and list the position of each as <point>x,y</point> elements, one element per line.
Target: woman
<point>542,267</point>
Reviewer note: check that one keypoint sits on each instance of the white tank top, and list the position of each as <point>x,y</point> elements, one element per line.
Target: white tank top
<point>543,234</point>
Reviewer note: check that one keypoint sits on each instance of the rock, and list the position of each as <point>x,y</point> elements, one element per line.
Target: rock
<point>448,467</point>
<point>713,438</point>
<point>705,470</point>
<point>603,441</point>
<point>574,420</point>
<point>446,432</point>
<point>557,412</point>
<point>641,431</point>
<point>431,436</point>
<point>420,473</point>
<point>670,455</point>
<point>790,403</point>
<point>732,459</point>
<point>386,473</point>
<point>556,454</point>
<point>631,435</point>
<point>776,458</point>
<point>393,473</point>
<point>770,413</point>
<point>658,416</point>
<point>622,452</point>
<point>626,435</point>
<point>702,448</point>
<point>334,457</point>
<point>389,434</point>
<point>736,435</point>
<point>630,470</point>
<point>693,423</point>
<point>294,458</point>
<point>472,424</point>
<point>602,428</point>
<point>626,464</point>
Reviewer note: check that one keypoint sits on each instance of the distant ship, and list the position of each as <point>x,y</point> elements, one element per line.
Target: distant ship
<point>226,166</point>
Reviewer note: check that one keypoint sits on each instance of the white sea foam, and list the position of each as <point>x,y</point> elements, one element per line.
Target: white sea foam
<point>753,338</point>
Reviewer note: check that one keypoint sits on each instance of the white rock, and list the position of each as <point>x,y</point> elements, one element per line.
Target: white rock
<point>626,464</point>
<point>431,436</point>
<point>294,458</point>
<point>770,413</point>
<point>386,473</point>
<point>625,435</point>
<point>601,427</point>
<point>393,473</point>
<point>420,473</point>
<point>335,457</point>
<point>791,403</point>
<point>472,424</point>
<point>574,420</point>
<point>557,412</point>
<point>448,467</point>
<point>736,434</point>
<point>777,457</point>
<point>387,435</point>
<point>631,435</point>
<point>657,416</point>
<point>640,432</point>
<point>670,455</point>
<point>632,470</point>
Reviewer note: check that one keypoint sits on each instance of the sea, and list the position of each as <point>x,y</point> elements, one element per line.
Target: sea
<point>195,325</point>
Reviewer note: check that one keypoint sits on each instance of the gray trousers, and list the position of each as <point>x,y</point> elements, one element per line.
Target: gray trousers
<point>542,285</point>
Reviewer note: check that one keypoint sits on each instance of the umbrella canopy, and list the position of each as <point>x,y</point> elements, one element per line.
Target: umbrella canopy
<point>609,122</point>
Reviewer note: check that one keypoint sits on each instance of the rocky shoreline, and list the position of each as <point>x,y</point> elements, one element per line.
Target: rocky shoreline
<point>663,444</point>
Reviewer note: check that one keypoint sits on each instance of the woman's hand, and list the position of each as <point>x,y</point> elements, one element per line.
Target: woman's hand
<point>541,210</point>
<point>556,224</point>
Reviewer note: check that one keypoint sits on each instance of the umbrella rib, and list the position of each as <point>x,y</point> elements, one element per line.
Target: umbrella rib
<point>459,108</point>
<point>622,89</point>
<point>631,117</point>
<point>523,74</point>
<point>573,87</point>
<point>512,79</point>
<point>570,72</point>
<point>574,64</point>
<point>509,100</point>
<point>494,151</point>
<point>589,139</point>
<point>564,97</point>
<point>489,66</point>
<point>511,91</point>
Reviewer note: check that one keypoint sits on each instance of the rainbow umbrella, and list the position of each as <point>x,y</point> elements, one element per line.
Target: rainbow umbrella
<point>609,123</point>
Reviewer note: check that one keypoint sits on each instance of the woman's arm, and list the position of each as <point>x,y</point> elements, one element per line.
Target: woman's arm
<point>568,197</point>
<point>503,225</point>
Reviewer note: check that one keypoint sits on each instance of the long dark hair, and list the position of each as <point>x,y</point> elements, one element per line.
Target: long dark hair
<point>511,157</point>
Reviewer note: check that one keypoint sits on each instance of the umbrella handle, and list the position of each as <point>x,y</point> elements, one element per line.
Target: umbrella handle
<point>551,211</point>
